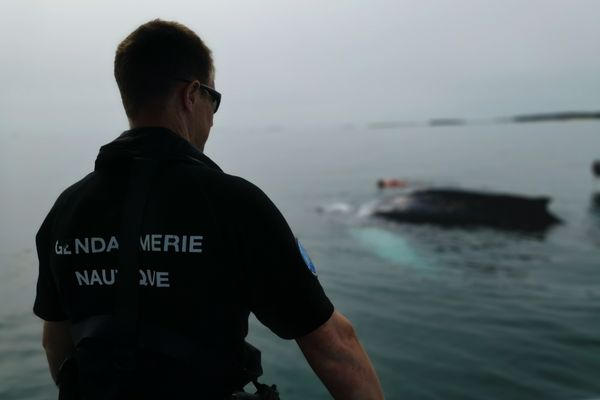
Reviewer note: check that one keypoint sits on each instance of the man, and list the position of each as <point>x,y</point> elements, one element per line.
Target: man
<point>205,248</point>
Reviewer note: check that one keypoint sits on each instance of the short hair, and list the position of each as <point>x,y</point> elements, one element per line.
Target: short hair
<point>149,61</point>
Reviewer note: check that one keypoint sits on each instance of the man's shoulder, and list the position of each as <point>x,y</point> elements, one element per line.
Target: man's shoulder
<point>225,183</point>
<point>63,199</point>
<point>251,193</point>
<point>246,195</point>
<point>237,193</point>
<point>73,189</point>
<point>242,186</point>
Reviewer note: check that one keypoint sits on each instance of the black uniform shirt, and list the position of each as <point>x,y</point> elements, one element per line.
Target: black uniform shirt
<point>213,249</point>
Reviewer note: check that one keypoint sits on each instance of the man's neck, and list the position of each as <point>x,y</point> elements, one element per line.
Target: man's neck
<point>170,123</point>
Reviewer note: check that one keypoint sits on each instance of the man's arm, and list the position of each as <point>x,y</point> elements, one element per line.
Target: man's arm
<point>337,357</point>
<point>58,344</point>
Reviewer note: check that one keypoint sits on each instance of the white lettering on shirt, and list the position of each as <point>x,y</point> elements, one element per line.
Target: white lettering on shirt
<point>106,276</point>
<point>145,243</point>
<point>151,242</point>
<point>112,244</point>
<point>83,246</point>
<point>195,244</point>
<point>98,245</point>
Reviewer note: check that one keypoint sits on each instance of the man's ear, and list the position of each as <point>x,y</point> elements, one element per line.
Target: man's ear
<point>189,95</point>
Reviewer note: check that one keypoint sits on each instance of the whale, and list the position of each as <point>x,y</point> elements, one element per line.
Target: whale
<point>452,207</point>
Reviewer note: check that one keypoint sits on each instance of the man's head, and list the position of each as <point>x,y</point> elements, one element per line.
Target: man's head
<point>162,69</point>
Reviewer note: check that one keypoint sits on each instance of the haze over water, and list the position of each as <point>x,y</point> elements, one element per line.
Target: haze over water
<point>444,313</point>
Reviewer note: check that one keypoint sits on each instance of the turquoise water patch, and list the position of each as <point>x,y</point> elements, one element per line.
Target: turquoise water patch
<point>391,247</point>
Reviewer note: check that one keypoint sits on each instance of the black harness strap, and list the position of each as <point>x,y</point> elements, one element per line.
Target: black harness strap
<point>122,328</point>
<point>150,337</point>
<point>127,283</point>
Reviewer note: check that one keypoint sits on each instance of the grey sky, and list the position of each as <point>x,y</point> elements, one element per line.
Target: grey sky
<point>284,62</point>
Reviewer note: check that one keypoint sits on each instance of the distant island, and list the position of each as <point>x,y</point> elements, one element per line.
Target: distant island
<point>564,116</point>
<point>559,116</point>
<point>446,122</point>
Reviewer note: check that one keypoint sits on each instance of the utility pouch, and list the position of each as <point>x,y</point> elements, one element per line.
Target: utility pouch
<point>95,370</point>
<point>68,380</point>
<point>252,364</point>
<point>252,370</point>
<point>263,392</point>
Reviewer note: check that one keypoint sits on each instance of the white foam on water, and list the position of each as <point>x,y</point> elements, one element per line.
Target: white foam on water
<point>336,208</point>
<point>366,210</point>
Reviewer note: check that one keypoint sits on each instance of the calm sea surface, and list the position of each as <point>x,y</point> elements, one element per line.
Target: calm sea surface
<point>444,313</point>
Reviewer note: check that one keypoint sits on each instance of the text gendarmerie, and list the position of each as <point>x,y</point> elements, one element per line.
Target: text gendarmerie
<point>151,242</point>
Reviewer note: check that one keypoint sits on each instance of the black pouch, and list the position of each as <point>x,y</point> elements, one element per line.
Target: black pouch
<point>96,370</point>
<point>263,392</point>
<point>68,380</point>
<point>252,370</point>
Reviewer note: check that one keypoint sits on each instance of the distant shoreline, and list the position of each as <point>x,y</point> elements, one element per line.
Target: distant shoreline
<point>560,116</point>
<point>563,116</point>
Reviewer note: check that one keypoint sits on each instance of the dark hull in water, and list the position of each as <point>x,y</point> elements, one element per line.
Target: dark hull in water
<point>453,207</point>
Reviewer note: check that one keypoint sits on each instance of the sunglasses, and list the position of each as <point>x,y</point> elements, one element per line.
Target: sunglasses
<point>215,97</point>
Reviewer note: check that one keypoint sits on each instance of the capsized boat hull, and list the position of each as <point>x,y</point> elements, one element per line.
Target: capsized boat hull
<point>467,207</point>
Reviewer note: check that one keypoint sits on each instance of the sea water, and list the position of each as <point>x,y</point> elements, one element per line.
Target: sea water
<point>444,313</point>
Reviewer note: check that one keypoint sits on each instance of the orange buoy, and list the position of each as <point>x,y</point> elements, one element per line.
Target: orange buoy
<point>391,183</point>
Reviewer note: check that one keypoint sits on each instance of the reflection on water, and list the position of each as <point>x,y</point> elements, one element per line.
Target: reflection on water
<point>391,247</point>
<point>595,203</point>
<point>594,223</point>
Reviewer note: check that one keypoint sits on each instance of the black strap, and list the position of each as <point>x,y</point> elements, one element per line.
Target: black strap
<point>150,337</point>
<point>127,282</point>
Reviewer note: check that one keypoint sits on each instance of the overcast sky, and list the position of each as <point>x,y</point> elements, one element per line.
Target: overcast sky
<point>295,62</point>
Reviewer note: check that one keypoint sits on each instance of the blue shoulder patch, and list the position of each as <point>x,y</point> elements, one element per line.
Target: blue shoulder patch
<point>306,258</point>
